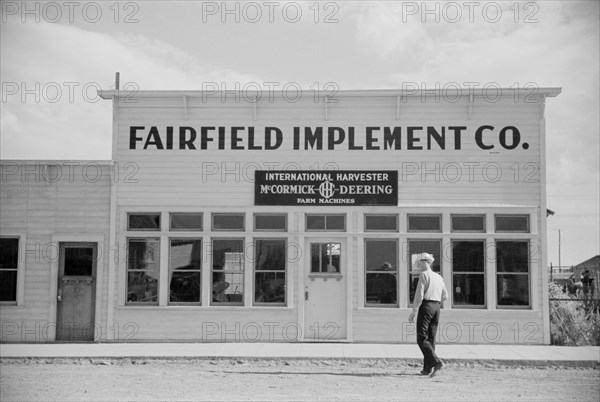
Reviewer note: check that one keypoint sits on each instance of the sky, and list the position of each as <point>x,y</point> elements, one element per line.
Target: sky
<point>55,55</point>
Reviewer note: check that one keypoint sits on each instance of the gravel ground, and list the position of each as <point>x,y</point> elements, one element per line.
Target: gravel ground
<point>289,380</point>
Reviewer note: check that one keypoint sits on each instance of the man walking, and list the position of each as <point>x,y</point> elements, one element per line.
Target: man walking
<point>430,293</point>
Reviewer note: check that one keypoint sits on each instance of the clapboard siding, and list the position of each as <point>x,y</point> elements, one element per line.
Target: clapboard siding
<point>207,325</point>
<point>68,204</point>
<point>222,180</point>
<point>466,326</point>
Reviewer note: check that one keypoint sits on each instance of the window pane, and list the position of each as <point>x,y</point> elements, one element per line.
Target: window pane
<point>142,286</point>
<point>185,287</point>
<point>228,287</point>
<point>185,254</point>
<point>228,221</point>
<point>184,266</point>
<point>467,256</point>
<point>325,257</point>
<point>382,288</point>
<point>143,221</point>
<point>335,222</point>
<point>416,247</point>
<point>183,221</point>
<point>381,223</point>
<point>269,287</point>
<point>143,254</point>
<point>424,223</point>
<point>469,289</point>
<point>468,223</point>
<point>381,255</point>
<point>143,266</point>
<point>270,222</point>
<point>315,222</point>
<point>512,223</point>
<point>512,256</point>
<point>270,255</point>
<point>9,253</point>
<point>227,248</point>
<point>8,285</point>
<point>228,271</point>
<point>513,290</point>
<point>79,261</point>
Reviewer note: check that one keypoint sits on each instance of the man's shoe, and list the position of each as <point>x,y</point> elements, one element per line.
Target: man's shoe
<point>436,369</point>
<point>425,372</point>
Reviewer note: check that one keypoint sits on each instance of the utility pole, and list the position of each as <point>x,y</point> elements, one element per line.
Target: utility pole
<point>559,264</point>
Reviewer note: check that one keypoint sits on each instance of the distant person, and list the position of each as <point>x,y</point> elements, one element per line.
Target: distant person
<point>586,282</point>
<point>430,293</point>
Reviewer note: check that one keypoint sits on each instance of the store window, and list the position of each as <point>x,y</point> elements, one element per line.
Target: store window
<point>269,272</point>
<point>185,221</point>
<point>416,247</point>
<point>270,222</point>
<point>228,271</point>
<point>336,223</point>
<point>143,221</point>
<point>512,270</point>
<point>381,223</point>
<point>468,273</point>
<point>185,256</point>
<point>325,258</point>
<point>468,223</point>
<point>143,268</point>
<point>225,222</point>
<point>424,223</point>
<point>9,262</point>
<point>381,262</point>
<point>512,223</point>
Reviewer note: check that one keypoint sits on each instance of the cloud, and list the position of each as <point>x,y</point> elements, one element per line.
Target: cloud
<point>53,112</point>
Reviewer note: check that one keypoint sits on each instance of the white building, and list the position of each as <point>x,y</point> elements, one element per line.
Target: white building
<point>277,219</point>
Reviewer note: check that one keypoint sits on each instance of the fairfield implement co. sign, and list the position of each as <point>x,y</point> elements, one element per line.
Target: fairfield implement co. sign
<point>339,187</point>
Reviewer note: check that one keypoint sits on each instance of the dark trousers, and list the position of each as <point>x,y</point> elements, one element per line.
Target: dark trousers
<point>427,324</point>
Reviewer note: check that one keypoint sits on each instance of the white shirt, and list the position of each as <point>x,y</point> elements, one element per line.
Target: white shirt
<point>431,286</point>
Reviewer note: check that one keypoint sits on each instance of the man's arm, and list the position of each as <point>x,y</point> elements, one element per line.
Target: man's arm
<point>444,292</point>
<point>419,292</point>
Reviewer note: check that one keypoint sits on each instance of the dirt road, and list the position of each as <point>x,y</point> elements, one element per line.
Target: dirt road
<point>288,380</point>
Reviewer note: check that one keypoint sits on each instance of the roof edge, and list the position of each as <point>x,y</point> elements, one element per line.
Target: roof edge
<point>446,92</point>
<point>107,162</point>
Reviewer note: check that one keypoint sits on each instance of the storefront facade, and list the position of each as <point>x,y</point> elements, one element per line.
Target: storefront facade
<point>246,218</point>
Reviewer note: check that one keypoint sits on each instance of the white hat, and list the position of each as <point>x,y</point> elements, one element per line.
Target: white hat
<point>425,257</point>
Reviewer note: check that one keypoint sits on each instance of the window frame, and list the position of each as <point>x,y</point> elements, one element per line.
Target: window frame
<point>307,215</point>
<point>397,221</point>
<point>130,229</point>
<point>438,258</point>
<point>128,239</point>
<point>483,306</point>
<point>21,242</point>
<point>528,273</point>
<point>366,304</point>
<point>482,216</point>
<point>527,216</point>
<point>215,214</point>
<point>201,214</point>
<point>212,271</point>
<point>284,271</point>
<point>171,270</point>
<point>439,216</point>
<point>256,214</point>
